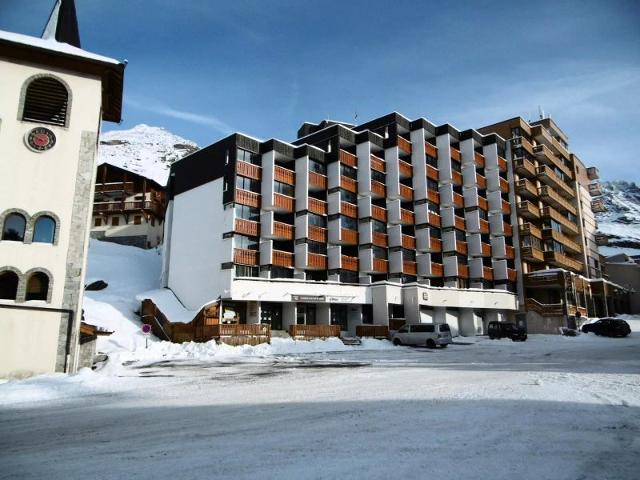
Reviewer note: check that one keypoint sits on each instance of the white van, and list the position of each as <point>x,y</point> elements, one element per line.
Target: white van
<point>427,334</point>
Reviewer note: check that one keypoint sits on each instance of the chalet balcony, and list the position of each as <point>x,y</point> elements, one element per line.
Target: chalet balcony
<point>559,237</point>
<point>532,254</point>
<point>406,193</point>
<point>546,156</point>
<point>598,205</point>
<point>317,181</point>
<point>319,207</point>
<point>348,159</point>
<point>152,206</point>
<point>284,175</point>
<point>549,177</point>
<point>380,265</point>
<point>408,242</point>
<point>113,187</point>
<point>559,260</point>
<point>550,197</point>
<point>433,173</point>
<point>405,169</point>
<point>568,225</point>
<point>247,169</point>
<point>404,145</point>
<point>378,190</point>
<point>379,213</point>
<point>595,189</point>
<point>530,229</point>
<point>317,234</point>
<point>247,227</point>
<point>281,258</point>
<point>455,154</point>
<point>378,164</point>
<point>283,203</point>
<point>246,197</point>
<point>526,189</point>
<point>349,209</point>
<point>430,150</point>
<point>478,159</point>
<point>528,210</point>
<point>349,184</point>
<point>243,256</point>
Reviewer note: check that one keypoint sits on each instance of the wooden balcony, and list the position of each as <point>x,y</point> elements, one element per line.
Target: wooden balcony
<point>409,268</point>
<point>546,156</point>
<point>317,181</point>
<point>595,189</point>
<point>348,184</point>
<point>526,189</point>
<point>550,212</point>
<point>506,207</point>
<point>545,309</point>
<point>455,154</point>
<point>283,203</point>
<point>602,239</point>
<point>483,204</point>
<point>461,247</point>
<point>435,244</point>
<point>551,197</point>
<point>349,263</point>
<point>458,200</point>
<point>432,173</point>
<point>504,185</point>
<point>593,173</point>
<point>316,261</point>
<point>406,193</point>
<point>532,254</point>
<point>348,236</point>
<point>247,227</point>
<point>378,164</point>
<point>284,175</point>
<point>598,205</point>
<point>282,259</point>
<point>349,209</point>
<point>560,237</point>
<point>433,196</point>
<point>408,242</point>
<point>507,228</point>
<point>319,207</point>
<point>559,260</point>
<point>127,187</point>
<point>282,231</point>
<point>512,275</point>
<point>478,158</point>
<point>436,269</point>
<point>463,271</point>
<point>458,222</point>
<point>405,169</point>
<point>484,226</point>
<point>487,273</point>
<point>530,229</point>
<point>348,159</point>
<point>407,217</point>
<point>379,213</point>
<point>379,239</point>
<point>434,219</point>
<point>317,234</point>
<point>456,177</point>
<point>404,144</point>
<point>246,197</point>
<point>243,256</point>
<point>310,332</point>
<point>510,252</point>
<point>485,249</point>
<point>481,181</point>
<point>378,189</point>
<point>152,206</point>
<point>528,210</point>
<point>430,150</point>
<point>559,148</point>
<point>549,177</point>
<point>248,170</point>
<point>502,164</point>
<point>380,265</point>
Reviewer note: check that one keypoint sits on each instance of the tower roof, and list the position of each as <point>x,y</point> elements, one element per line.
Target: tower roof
<point>63,23</point>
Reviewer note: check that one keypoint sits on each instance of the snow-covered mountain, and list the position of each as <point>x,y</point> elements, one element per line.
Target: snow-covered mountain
<point>144,149</point>
<point>621,221</point>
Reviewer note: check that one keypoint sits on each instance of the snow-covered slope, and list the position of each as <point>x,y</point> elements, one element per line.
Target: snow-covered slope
<point>144,149</point>
<point>621,221</point>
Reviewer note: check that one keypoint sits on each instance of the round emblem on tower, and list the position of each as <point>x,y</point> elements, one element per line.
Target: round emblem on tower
<point>40,139</point>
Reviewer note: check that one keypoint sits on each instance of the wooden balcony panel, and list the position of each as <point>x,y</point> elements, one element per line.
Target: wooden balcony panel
<point>458,200</point>
<point>247,227</point>
<point>115,187</point>
<point>532,254</point>
<point>595,189</point>
<point>349,236</point>
<point>282,231</point>
<point>484,226</point>
<point>317,180</point>
<point>283,202</point>
<point>436,269</point>
<point>481,181</point>
<point>380,265</point>
<point>524,168</point>
<point>456,177</point>
<point>512,275</point>
<point>348,184</point>
<point>458,222</point>
<point>348,159</point>
<point>508,229</point>
<point>455,154</point>
<point>378,189</point>
<point>407,216</point>
<point>408,242</point>
<point>378,164</point>
<point>349,209</point>
<point>434,219</point>
<point>433,196</point>
<point>528,210</point>
<point>502,164</point>
<point>404,144</point>
<point>248,170</point>
<point>549,177</point>
<point>246,197</point>
<point>435,244</point>
<point>379,213</point>
<point>433,173</point>
<point>485,249</point>
<point>316,261</point>
<point>409,268</point>
<point>530,229</point>
<point>461,246</point>
<point>526,189</point>
<point>510,252</point>
<point>379,239</point>
<point>483,204</point>
<point>317,234</point>
<point>563,261</point>
<point>563,239</point>
<point>463,271</point>
<point>349,263</point>
<point>319,207</point>
<point>245,257</point>
<point>593,173</point>
<point>551,197</point>
<point>487,273</point>
<point>478,158</point>
<point>284,175</point>
<point>282,259</point>
<point>406,192</point>
<point>405,168</point>
<point>549,212</point>
<point>506,207</point>
<point>546,156</point>
<point>430,150</point>
<point>504,185</point>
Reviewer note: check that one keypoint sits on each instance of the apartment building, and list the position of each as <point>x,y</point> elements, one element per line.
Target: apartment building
<point>128,208</point>
<point>347,225</point>
<point>555,199</point>
<point>53,97</point>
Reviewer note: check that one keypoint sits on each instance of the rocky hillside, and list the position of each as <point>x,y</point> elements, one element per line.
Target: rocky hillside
<point>144,149</point>
<point>621,221</point>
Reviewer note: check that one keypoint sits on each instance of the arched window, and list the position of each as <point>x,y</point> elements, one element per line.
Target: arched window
<point>46,101</point>
<point>8,285</point>
<point>14,226</point>
<point>37,286</point>
<point>44,230</point>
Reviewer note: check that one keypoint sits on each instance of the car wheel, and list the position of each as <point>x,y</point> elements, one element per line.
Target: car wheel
<point>397,342</point>
<point>431,343</point>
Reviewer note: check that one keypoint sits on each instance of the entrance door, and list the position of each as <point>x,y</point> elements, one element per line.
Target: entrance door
<point>306,314</point>
<point>271,313</point>
<point>339,316</point>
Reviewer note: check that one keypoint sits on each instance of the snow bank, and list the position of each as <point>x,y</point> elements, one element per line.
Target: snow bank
<point>169,304</point>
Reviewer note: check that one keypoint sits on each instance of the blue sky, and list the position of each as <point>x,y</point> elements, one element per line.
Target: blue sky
<point>203,69</point>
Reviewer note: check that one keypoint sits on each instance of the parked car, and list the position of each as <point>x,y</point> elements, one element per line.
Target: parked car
<point>506,330</point>
<point>426,334</point>
<point>608,327</point>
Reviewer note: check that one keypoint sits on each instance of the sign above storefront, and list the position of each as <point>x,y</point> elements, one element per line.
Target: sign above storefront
<point>308,298</point>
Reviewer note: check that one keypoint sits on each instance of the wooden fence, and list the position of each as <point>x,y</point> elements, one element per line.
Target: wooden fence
<point>310,332</point>
<point>396,323</point>
<point>377,331</point>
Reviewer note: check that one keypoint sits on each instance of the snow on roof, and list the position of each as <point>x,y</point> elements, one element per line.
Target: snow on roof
<point>169,304</point>
<point>53,45</point>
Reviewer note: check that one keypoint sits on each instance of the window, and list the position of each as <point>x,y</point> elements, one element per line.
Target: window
<point>46,101</point>
<point>435,232</point>
<point>247,271</point>
<point>379,252</point>
<point>378,226</point>
<point>246,183</point>
<point>378,176</point>
<point>280,272</point>
<point>115,221</point>
<point>249,157</point>
<point>433,207</point>
<point>317,167</point>
<point>14,227</point>
<point>347,196</point>
<point>432,184</point>
<point>247,243</point>
<point>408,255</point>
<point>44,230</point>
<point>283,188</point>
<point>317,220</point>
<point>37,286</point>
<point>422,328</point>
<point>137,219</point>
<point>247,213</point>
<point>347,171</point>
<point>317,247</point>
<point>347,276</point>
<point>8,285</point>
<point>455,165</point>
<point>432,161</point>
<point>97,222</point>
<point>348,222</point>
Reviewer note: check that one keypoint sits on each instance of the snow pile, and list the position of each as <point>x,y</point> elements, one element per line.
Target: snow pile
<point>168,304</point>
<point>621,221</point>
<point>146,150</point>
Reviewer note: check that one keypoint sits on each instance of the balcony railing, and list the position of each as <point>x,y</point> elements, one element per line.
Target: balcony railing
<point>506,207</point>
<point>319,207</point>
<point>526,189</point>
<point>379,239</point>
<point>378,164</point>
<point>406,192</point>
<point>458,222</point>
<point>598,205</point>
<point>502,164</point>
<point>458,200</point>
<point>246,197</point>
<point>379,213</point>
<point>284,175</point>
<point>463,271</point>
<point>349,263</point>
<point>378,189</point>
<point>316,261</point>
<point>549,212</point>
<point>461,247</point>
<point>545,155</point>
<point>560,237</point>
<point>283,202</point>
<point>510,252</point>
<point>532,254</point>
<point>512,275</point>
<point>409,268</point>
<point>282,231</point>
<point>349,236</point>
<point>481,181</point>
<point>317,181</point>
<point>484,226</point>
<point>549,177</point>
<point>248,170</point>
<point>433,196</point>
<point>432,173</point>
<point>405,169</point>
<point>404,144</point>
<point>408,242</point>
<point>348,159</point>
<point>247,227</point>
<point>507,228</point>
<point>430,150</point>
<point>528,210</point>
<point>150,205</point>
<point>380,265</point>
<point>243,256</point>
<point>483,204</point>
<point>487,273</point>
<point>282,259</point>
<point>436,269</point>
<point>317,234</point>
<point>349,209</point>
<point>530,229</point>
<point>550,196</point>
<point>485,249</point>
<point>559,260</point>
<point>435,244</point>
<point>478,158</point>
<point>455,154</point>
<point>348,184</point>
<point>593,173</point>
<point>115,187</point>
<point>407,216</point>
<point>434,219</point>
<point>456,177</point>
<point>595,189</point>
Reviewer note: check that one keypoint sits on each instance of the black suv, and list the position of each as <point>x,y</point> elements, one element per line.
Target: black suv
<point>506,330</point>
<point>608,327</point>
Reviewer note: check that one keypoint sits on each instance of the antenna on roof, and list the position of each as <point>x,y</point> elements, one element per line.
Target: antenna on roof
<point>540,112</point>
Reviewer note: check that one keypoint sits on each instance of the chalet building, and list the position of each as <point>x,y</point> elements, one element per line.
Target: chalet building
<point>556,196</point>
<point>53,97</point>
<point>128,208</point>
<point>347,225</point>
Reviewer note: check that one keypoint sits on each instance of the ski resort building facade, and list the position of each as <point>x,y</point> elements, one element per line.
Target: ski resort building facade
<point>53,97</point>
<point>347,225</point>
